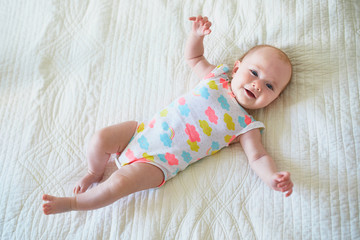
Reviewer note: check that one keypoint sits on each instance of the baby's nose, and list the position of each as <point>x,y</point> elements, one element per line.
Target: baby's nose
<point>257,86</point>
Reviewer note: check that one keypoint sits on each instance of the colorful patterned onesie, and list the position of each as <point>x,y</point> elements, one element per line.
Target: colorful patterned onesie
<point>194,126</point>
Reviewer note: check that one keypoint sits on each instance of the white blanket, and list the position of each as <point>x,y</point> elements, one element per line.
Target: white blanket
<point>68,68</point>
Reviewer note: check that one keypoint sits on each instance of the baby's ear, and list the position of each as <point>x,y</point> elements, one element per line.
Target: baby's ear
<point>236,67</point>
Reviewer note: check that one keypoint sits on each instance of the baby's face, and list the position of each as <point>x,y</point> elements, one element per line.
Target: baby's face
<point>259,78</point>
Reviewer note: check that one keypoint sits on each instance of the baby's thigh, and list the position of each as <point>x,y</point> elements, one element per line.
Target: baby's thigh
<point>115,138</point>
<point>140,176</point>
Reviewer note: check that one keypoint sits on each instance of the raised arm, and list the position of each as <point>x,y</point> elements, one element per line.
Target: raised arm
<point>262,163</point>
<point>194,51</point>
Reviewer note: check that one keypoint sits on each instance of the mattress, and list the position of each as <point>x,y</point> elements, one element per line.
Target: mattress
<point>69,68</point>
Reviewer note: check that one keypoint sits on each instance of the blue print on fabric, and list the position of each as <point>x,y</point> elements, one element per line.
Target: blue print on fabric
<point>176,172</point>
<point>204,92</point>
<point>186,156</point>
<point>166,139</point>
<point>215,146</point>
<point>165,126</point>
<point>242,122</point>
<point>162,157</point>
<point>172,104</point>
<point>184,110</point>
<point>144,144</point>
<point>224,104</point>
<point>225,69</point>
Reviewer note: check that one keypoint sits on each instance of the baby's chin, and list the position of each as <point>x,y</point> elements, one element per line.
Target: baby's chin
<point>243,105</point>
<point>243,101</point>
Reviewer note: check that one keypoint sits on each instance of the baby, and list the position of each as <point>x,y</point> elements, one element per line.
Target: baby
<point>196,125</point>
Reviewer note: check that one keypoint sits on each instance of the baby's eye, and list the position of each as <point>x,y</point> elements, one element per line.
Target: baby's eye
<point>269,86</point>
<point>254,73</point>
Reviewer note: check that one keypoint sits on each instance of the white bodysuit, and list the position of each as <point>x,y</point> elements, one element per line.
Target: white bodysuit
<point>193,126</point>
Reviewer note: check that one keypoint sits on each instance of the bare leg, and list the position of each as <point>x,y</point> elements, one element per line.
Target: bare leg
<point>106,141</point>
<point>128,179</point>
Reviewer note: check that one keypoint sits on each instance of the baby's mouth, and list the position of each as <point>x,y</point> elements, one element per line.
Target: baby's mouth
<point>249,93</point>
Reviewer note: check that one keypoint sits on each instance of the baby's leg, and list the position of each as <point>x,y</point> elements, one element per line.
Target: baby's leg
<point>128,179</point>
<point>104,142</point>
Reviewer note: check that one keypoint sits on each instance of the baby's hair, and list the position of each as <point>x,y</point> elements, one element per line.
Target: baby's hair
<point>281,54</point>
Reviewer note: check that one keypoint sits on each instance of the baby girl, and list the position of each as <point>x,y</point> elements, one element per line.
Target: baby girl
<point>197,124</point>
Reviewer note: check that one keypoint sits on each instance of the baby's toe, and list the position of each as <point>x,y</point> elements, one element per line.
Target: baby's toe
<point>47,209</point>
<point>76,189</point>
<point>47,197</point>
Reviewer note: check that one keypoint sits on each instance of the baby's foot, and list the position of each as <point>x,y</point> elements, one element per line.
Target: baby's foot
<point>56,204</point>
<point>85,182</point>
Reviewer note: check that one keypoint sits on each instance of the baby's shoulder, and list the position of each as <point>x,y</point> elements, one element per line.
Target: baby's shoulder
<point>220,70</point>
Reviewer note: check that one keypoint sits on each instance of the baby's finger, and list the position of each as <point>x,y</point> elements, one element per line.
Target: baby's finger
<point>207,24</point>
<point>289,193</point>
<point>192,18</point>
<point>285,175</point>
<point>77,189</point>
<point>282,184</point>
<point>207,31</point>
<point>278,178</point>
<point>287,187</point>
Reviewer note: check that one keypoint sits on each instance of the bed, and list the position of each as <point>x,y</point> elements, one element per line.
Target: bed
<point>69,68</point>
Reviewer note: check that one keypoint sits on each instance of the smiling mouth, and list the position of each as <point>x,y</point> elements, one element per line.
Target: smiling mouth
<point>250,94</point>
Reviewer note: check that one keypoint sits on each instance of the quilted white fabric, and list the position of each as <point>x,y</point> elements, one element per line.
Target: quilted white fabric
<point>68,68</point>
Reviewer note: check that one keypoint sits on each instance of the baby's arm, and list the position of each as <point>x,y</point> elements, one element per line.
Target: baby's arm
<point>263,165</point>
<point>194,52</point>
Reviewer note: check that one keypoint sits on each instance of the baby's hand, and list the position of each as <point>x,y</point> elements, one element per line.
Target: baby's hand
<point>201,26</point>
<point>281,182</point>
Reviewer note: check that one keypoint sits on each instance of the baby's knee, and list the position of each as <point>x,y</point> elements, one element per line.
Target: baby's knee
<point>99,138</point>
<point>122,183</point>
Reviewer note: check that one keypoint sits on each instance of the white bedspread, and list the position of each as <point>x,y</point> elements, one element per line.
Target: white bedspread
<point>68,68</point>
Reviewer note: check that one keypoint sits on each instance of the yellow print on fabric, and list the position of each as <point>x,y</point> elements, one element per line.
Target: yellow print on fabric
<point>141,127</point>
<point>148,157</point>
<point>229,122</point>
<point>229,138</point>
<point>205,127</point>
<point>164,113</point>
<point>193,146</point>
<point>213,85</point>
